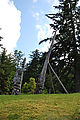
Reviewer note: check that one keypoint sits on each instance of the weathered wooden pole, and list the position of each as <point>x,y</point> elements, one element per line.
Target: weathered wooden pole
<point>18,78</point>
<point>41,80</point>
<point>58,78</point>
<point>23,66</point>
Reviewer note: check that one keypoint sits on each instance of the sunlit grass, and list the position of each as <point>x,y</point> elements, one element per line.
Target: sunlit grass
<point>40,107</point>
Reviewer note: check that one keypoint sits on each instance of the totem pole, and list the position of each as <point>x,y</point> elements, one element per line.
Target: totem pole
<point>41,80</point>
<point>18,78</point>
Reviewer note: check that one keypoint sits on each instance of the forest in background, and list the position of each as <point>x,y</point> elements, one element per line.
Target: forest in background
<point>65,56</point>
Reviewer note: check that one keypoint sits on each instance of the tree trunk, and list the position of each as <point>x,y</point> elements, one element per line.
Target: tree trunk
<point>41,80</point>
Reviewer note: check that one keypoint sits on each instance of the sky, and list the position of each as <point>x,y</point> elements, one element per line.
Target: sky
<point>23,24</point>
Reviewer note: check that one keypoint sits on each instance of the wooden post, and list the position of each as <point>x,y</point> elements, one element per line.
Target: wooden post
<point>58,78</point>
<point>18,78</point>
<point>41,80</point>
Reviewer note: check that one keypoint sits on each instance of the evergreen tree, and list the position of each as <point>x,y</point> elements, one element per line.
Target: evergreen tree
<point>7,70</point>
<point>29,87</point>
<point>18,56</point>
<point>33,68</point>
<point>0,39</point>
<point>66,50</point>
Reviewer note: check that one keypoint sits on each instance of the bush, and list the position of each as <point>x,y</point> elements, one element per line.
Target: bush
<point>32,85</point>
<point>29,87</point>
<point>25,87</point>
<point>44,91</point>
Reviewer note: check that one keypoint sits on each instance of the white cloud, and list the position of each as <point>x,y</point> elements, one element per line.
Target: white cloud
<point>36,15</point>
<point>45,30</point>
<point>53,1</point>
<point>43,33</point>
<point>10,19</point>
<point>34,1</point>
<point>56,2</point>
<point>79,3</point>
<point>49,1</point>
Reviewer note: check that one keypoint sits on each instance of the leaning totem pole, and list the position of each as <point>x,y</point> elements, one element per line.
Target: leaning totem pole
<point>18,78</point>
<point>41,80</point>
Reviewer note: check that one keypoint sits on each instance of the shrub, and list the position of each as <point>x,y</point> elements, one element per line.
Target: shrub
<point>29,87</point>
<point>25,88</point>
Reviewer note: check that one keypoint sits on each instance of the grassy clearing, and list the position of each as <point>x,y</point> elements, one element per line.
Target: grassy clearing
<point>40,107</point>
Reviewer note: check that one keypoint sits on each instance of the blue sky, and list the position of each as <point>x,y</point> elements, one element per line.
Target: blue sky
<point>32,20</point>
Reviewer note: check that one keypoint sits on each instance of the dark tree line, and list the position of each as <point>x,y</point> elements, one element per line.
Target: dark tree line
<point>9,63</point>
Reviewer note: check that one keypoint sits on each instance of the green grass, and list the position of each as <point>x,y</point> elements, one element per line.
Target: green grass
<point>40,107</point>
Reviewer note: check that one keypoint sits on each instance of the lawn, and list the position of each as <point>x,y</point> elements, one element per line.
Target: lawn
<point>40,107</point>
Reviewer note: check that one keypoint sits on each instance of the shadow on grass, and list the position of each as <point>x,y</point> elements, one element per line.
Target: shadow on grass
<point>13,116</point>
<point>76,115</point>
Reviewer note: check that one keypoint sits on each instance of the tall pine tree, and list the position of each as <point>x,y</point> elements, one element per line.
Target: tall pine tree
<point>7,71</point>
<point>34,66</point>
<point>66,50</point>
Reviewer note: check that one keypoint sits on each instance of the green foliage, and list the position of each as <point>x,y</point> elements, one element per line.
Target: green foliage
<point>44,91</point>
<point>33,67</point>
<point>10,82</point>
<point>8,65</point>
<point>0,40</point>
<point>18,55</point>
<point>7,70</point>
<point>65,57</point>
<point>48,83</point>
<point>29,87</point>
<point>25,88</point>
<point>13,116</point>
<point>32,85</point>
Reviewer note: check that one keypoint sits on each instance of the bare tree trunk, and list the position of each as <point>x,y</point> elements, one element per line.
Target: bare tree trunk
<point>18,78</point>
<point>41,80</point>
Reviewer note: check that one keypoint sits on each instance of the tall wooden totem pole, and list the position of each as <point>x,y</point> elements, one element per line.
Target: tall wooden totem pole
<point>18,78</point>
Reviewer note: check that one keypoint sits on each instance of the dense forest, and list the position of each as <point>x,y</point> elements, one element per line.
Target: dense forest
<point>64,58</point>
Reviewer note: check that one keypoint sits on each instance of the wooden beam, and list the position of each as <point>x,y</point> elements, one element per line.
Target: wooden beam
<point>58,79</point>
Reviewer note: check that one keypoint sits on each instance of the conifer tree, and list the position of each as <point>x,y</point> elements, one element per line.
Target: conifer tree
<point>0,40</point>
<point>7,70</point>
<point>66,50</point>
<point>34,66</point>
